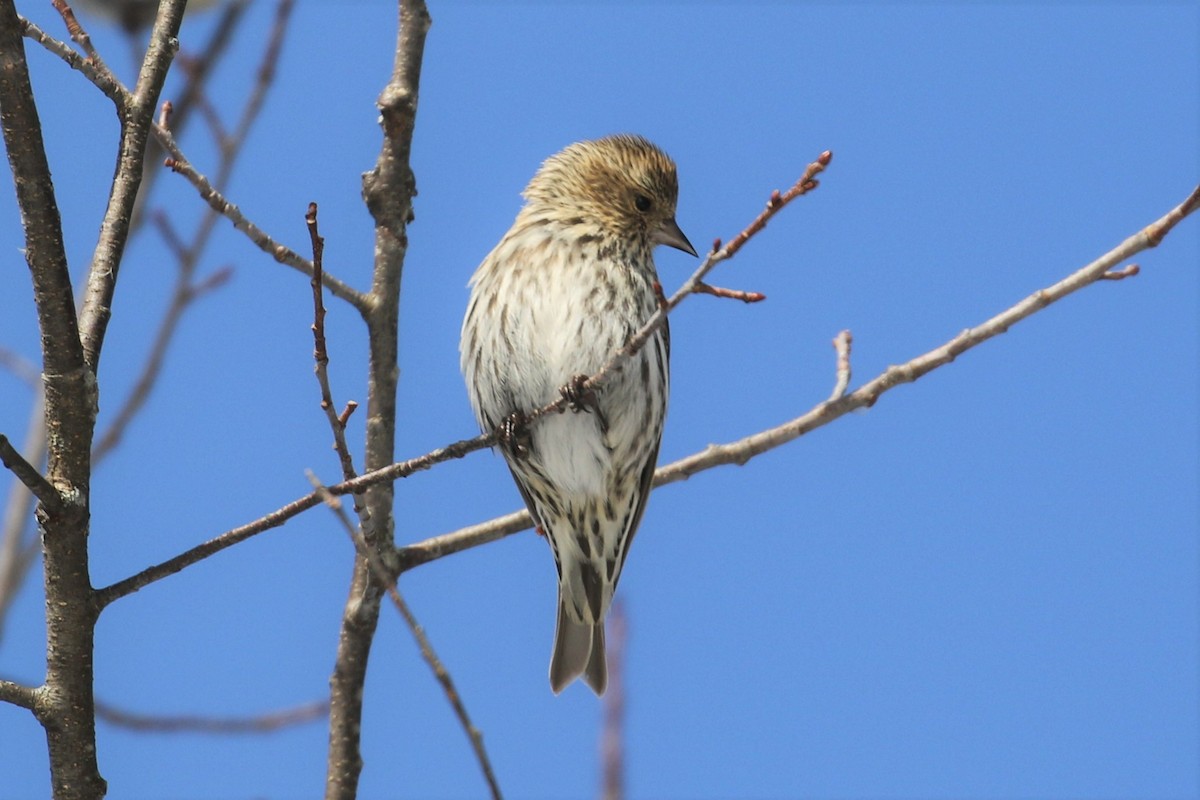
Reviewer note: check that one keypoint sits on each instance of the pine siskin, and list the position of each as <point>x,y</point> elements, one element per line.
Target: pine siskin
<point>568,285</point>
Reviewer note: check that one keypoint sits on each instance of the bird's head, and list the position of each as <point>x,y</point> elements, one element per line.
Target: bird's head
<point>623,185</point>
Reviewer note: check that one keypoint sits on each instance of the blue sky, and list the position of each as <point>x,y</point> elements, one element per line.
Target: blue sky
<point>984,586</point>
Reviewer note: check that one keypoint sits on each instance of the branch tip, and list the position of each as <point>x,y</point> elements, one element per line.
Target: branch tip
<point>841,345</point>
<point>1121,274</point>
<point>731,294</point>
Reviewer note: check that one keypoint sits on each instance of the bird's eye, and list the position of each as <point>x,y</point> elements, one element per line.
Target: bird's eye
<point>642,202</point>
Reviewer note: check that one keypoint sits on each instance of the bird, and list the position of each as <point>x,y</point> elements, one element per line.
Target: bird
<point>133,15</point>
<point>567,286</point>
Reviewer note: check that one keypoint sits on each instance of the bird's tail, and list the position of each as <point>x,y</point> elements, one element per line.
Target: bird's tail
<point>578,650</point>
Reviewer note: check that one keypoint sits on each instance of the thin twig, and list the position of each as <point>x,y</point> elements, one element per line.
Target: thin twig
<point>106,82</point>
<point>220,726</point>
<point>81,38</point>
<point>198,70</point>
<point>321,353</point>
<point>1121,274</point>
<point>217,201</point>
<point>414,555</point>
<point>212,192</point>
<point>137,118</point>
<point>28,474</point>
<point>1154,233</point>
<point>731,294</point>
<point>387,578</point>
<point>18,694</point>
<point>202,551</point>
<point>841,344</point>
<point>185,292</point>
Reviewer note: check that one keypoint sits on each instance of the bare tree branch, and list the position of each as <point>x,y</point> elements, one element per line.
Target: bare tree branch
<point>414,555</point>
<point>67,713</point>
<point>28,474</point>
<point>215,545</point>
<point>17,555</point>
<point>198,70</point>
<point>105,81</point>
<point>186,291</point>
<point>388,191</point>
<point>730,294</point>
<point>388,474</point>
<point>841,344</point>
<point>386,576</point>
<point>81,38</point>
<point>337,425</point>
<point>218,202</point>
<point>53,294</point>
<point>218,726</point>
<point>39,210</point>
<point>137,117</point>
<point>19,694</point>
<point>1127,271</point>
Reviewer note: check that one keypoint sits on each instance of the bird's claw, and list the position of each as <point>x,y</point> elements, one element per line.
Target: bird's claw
<point>581,399</point>
<point>577,396</point>
<point>513,435</point>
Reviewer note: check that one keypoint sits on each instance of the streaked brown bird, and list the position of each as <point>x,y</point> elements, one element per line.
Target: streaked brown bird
<point>567,286</point>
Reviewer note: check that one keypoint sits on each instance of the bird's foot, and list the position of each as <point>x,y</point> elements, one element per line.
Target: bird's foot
<point>581,399</point>
<point>578,397</point>
<point>513,435</point>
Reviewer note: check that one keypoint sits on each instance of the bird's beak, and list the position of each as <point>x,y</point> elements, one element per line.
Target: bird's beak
<point>669,234</point>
